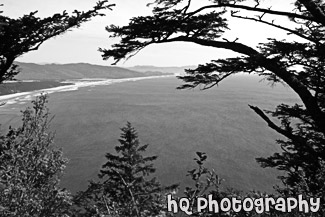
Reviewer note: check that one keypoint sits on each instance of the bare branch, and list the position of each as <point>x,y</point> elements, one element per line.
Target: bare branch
<point>256,9</point>
<point>278,129</point>
<point>276,26</point>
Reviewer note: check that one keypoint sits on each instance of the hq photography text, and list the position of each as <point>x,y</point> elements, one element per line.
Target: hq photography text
<point>259,205</point>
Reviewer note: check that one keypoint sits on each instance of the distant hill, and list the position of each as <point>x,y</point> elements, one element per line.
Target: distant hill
<point>32,71</point>
<point>156,69</point>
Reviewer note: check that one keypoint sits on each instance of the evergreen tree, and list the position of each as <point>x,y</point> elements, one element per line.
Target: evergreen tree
<point>127,187</point>
<point>30,168</point>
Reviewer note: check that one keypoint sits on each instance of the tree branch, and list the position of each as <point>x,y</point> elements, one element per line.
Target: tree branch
<point>256,9</point>
<point>217,81</point>
<point>131,193</point>
<point>234,46</point>
<point>315,10</point>
<point>283,132</point>
<point>276,26</point>
<point>270,123</point>
<point>272,65</point>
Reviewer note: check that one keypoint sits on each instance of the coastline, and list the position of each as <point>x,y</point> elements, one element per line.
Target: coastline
<point>72,85</point>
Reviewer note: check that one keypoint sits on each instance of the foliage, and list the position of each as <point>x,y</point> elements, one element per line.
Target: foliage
<point>31,166</point>
<point>127,187</point>
<point>298,62</point>
<point>27,33</point>
<point>207,182</point>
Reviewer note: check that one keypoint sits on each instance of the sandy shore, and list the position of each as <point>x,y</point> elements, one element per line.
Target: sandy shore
<point>24,97</point>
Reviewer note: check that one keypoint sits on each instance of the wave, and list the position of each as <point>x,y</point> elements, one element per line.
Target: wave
<point>24,97</point>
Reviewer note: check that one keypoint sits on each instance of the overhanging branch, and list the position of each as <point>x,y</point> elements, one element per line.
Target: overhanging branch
<point>272,65</point>
<point>234,46</point>
<point>256,9</point>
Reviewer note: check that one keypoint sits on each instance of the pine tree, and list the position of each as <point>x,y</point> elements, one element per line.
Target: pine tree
<point>127,187</point>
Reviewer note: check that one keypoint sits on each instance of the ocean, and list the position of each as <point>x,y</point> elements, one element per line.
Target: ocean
<point>175,123</point>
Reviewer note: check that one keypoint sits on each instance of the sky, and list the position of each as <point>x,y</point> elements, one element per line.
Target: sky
<point>81,45</point>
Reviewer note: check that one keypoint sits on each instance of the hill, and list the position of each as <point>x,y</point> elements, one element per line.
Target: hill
<point>156,69</point>
<point>32,71</point>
